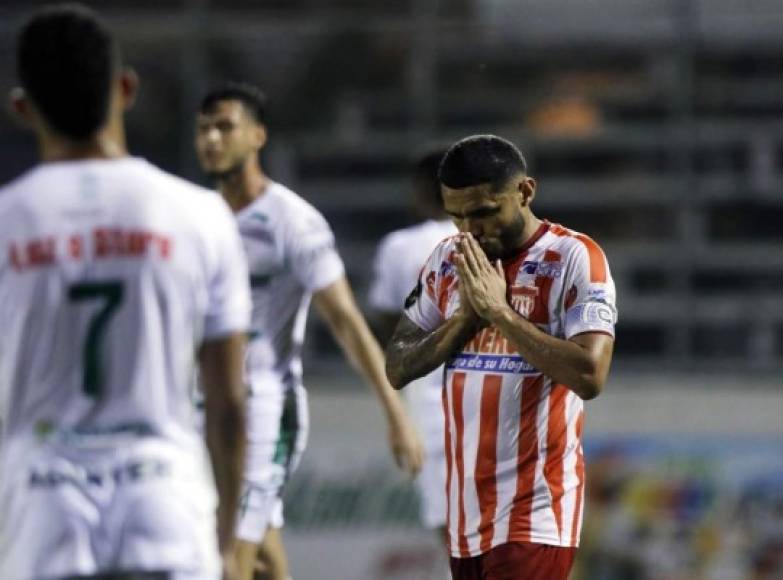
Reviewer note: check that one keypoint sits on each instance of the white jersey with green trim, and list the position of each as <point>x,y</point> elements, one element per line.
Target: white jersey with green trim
<point>291,254</point>
<point>112,273</point>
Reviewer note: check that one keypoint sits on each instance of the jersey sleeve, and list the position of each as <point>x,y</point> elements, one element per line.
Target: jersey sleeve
<point>421,306</point>
<point>312,254</point>
<point>589,292</point>
<point>388,289</point>
<point>228,306</point>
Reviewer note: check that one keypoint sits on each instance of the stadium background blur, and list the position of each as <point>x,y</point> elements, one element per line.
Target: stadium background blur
<point>656,126</point>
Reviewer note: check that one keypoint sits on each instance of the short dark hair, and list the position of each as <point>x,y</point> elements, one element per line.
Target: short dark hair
<point>481,159</point>
<point>66,60</point>
<point>425,175</point>
<point>252,98</point>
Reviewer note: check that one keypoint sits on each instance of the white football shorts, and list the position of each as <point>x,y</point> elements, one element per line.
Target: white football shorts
<point>142,506</point>
<point>278,424</point>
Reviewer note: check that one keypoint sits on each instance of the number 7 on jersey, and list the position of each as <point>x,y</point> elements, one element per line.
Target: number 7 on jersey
<point>112,294</point>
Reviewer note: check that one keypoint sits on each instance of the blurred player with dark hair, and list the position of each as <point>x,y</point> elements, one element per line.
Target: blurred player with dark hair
<point>113,275</point>
<point>292,259</point>
<point>521,311</point>
<point>398,262</point>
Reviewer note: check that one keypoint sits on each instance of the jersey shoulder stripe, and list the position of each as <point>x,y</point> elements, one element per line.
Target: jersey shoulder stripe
<point>596,256</point>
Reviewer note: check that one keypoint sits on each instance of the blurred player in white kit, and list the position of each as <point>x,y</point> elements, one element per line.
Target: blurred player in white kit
<point>398,263</point>
<point>292,260</point>
<point>113,276</point>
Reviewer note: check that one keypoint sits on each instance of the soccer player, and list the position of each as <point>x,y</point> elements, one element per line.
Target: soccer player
<point>398,262</point>
<point>522,313</point>
<point>292,259</point>
<point>113,276</point>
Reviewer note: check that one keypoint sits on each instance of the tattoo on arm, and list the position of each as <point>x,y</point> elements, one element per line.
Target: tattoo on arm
<point>413,352</point>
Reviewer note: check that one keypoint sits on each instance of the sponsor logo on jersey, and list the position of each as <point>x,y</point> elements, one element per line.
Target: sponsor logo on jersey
<point>130,472</point>
<point>256,232</point>
<point>490,351</point>
<point>529,267</point>
<point>543,269</point>
<point>492,363</point>
<point>447,267</point>
<point>597,295</point>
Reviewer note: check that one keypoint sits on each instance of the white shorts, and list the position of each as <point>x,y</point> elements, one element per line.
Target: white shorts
<point>423,398</point>
<point>145,506</point>
<point>278,424</point>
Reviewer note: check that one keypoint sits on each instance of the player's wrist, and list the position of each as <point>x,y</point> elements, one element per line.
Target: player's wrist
<point>500,314</point>
<point>395,416</point>
<point>467,319</point>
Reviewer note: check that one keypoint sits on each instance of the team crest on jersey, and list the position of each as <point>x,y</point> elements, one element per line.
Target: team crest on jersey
<point>523,299</point>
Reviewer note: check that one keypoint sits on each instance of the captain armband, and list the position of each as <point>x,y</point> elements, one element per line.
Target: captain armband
<point>590,317</point>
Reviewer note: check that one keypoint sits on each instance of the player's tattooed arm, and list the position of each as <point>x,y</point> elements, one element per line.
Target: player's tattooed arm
<point>413,352</point>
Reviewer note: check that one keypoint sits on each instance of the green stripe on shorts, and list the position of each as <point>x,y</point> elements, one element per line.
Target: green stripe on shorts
<point>289,429</point>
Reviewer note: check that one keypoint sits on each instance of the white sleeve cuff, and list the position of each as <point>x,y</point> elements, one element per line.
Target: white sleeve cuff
<point>236,320</point>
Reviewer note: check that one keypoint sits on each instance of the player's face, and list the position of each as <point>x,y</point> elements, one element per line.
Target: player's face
<point>225,138</point>
<point>496,219</point>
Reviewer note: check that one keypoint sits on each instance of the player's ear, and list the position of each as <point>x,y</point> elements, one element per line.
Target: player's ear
<point>21,106</point>
<point>129,87</point>
<point>527,190</point>
<point>259,135</point>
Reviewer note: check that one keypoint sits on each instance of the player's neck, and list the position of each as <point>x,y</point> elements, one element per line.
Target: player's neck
<point>107,143</point>
<point>243,187</point>
<point>529,232</point>
<point>532,225</point>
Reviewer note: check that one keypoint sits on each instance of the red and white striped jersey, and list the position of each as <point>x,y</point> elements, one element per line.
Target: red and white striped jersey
<point>513,436</point>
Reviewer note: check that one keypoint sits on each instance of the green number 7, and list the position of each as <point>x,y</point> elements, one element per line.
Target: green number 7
<point>112,294</point>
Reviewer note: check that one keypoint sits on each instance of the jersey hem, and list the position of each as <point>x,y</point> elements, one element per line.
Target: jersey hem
<point>218,331</point>
<point>516,538</point>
